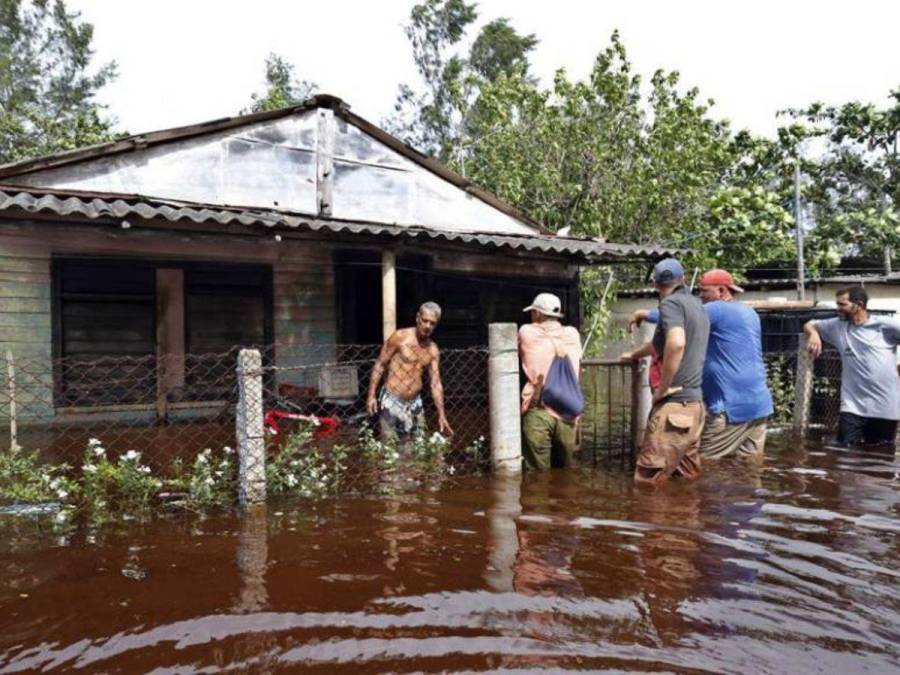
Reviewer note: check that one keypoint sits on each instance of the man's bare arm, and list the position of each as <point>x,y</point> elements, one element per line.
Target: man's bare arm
<point>384,358</point>
<point>437,390</point>
<point>814,340</point>
<point>671,361</point>
<point>641,352</point>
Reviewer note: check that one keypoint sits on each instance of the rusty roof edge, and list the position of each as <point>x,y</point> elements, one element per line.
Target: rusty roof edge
<point>147,138</point>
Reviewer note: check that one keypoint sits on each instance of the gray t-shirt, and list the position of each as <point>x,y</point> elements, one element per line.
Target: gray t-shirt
<point>681,309</point>
<point>870,386</point>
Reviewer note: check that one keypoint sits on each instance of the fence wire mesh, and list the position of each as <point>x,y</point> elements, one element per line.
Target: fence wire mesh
<point>607,431</point>
<point>331,429</point>
<point>176,423</point>
<point>128,403</point>
<point>825,404</point>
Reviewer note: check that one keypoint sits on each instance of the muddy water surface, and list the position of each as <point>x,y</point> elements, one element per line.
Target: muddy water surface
<point>789,568</point>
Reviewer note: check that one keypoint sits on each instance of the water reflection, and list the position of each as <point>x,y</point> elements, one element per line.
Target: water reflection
<point>503,548</point>
<point>788,567</point>
<point>252,560</point>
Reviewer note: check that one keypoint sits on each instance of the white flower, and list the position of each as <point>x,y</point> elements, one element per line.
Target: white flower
<point>227,450</point>
<point>209,481</point>
<point>94,443</point>
<point>481,439</point>
<point>315,422</point>
<point>99,451</point>
<point>219,474</point>
<point>451,470</point>
<point>201,458</point>
<point>54,483</point>
<point>132,456</point>
<point>145,469</point>
<point>291,480</point>
<point>437,438</point>
<point>89,468</point>
<point>62,494</point>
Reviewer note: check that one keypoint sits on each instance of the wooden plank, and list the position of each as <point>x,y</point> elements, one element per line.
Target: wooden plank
<point>14,263</point>
<point>388,293</point>
<point>325,161</point>
<point>16,289</point>
<point>169,335</point>
<point>25,305</point>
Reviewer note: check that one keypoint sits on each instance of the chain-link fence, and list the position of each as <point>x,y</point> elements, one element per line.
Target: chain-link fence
<point>339,421</point>
<point>825,401</point>
<point>177,421</point>
<point>128,403</point>
<point>608,425</point>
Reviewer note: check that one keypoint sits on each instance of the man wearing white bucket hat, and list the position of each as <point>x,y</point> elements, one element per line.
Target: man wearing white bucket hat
<point>548,437</point>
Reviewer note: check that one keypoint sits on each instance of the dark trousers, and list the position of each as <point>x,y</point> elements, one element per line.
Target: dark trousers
<point>858,430</point>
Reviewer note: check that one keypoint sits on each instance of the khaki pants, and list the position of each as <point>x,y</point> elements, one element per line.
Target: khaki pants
<point>547,440</point>
<point>671,442</point>
<point>720,439</point>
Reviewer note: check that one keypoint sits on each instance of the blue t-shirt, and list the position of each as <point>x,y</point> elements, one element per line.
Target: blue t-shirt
<point>734,375</point>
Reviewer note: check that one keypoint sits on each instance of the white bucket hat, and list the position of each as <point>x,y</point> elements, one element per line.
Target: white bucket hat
<point>547,304</point>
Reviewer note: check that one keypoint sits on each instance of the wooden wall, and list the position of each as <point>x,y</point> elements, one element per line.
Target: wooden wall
<point>303,287</point>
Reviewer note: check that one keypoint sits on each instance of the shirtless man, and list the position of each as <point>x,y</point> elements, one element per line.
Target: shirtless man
<point>406,354</point>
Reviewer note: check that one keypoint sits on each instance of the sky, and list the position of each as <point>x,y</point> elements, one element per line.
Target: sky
<point>188,61</point>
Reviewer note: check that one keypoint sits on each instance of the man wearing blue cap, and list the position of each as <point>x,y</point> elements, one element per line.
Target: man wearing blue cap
<point>672,438</point>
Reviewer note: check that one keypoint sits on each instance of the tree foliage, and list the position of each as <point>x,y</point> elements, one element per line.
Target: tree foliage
<point>47,85</point>
<point>605,159</point>
<point>283,89</point>
<point>852,187</point>
<point>437,118</point>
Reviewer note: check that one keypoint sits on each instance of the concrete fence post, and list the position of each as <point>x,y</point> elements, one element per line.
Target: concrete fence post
<point>503,386</point>
<point>642,395</point>
<point>250,435</point>
<point>803,387</point>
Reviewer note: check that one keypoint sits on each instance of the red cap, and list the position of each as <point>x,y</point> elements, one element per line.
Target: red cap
<point>720,278</point>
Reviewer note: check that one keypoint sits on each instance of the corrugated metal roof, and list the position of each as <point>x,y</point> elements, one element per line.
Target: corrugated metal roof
<point>109,206</point>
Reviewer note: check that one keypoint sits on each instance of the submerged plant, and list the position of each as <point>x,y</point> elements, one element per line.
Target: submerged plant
<point>125,484</point>
<point>25,479</point>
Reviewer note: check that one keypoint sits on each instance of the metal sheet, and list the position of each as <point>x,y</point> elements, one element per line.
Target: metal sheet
<point>15,200</point>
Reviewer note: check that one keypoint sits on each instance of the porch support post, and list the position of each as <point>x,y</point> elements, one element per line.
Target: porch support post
<point>803,387</point>
<point>249,422</point>
<point>503,387</point>
<point>642,396</point>
<point>388,292</point>
<point>169,336</point>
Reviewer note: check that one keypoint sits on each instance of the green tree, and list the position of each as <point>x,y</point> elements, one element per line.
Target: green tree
<point>436,117</point>
<point>47,86</point>
<point>598,158</point>
<point>852,187</point>
<point>283,89</point>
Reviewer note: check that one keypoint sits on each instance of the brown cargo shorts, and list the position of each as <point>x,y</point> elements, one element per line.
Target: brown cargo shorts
<point>671,442</point>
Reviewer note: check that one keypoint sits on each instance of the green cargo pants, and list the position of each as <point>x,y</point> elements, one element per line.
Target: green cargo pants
<point>547,440</point>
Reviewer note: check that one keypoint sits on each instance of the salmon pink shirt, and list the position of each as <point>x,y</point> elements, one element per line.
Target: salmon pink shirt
<point>537,347</point>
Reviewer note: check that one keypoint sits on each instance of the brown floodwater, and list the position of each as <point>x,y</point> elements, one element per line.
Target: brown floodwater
<point>787,568</point>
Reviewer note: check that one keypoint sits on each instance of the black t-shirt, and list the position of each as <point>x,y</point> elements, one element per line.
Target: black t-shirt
<point>681,309</point>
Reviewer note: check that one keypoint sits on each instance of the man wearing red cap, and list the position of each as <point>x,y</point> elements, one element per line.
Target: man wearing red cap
<point>735,392</point>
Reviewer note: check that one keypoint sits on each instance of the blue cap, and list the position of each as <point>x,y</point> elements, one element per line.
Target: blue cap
<point>667,271</point>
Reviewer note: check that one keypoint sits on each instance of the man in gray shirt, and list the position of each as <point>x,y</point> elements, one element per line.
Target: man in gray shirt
<point>672,438</point>
<point>870,384</point>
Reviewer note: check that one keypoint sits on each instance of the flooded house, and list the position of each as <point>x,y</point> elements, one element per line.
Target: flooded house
<point>303,231</point>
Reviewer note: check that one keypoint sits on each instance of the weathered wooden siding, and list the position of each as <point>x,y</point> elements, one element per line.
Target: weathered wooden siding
<point>303,295</point>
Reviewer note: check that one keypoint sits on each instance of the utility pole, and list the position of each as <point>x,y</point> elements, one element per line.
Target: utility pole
<point>798,224</point>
